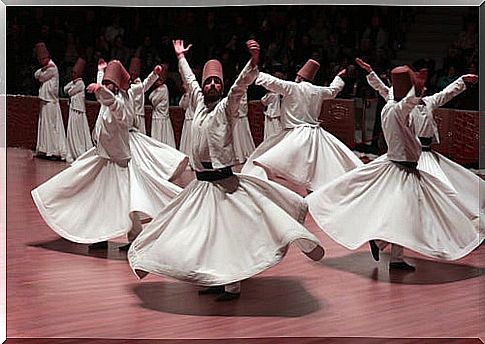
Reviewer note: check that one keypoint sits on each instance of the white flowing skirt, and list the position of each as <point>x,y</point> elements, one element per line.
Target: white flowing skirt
<point>186,138</point>
<point>51,135</point>
<point>272,126</point>
<point>306,155</point>
<point>465,183</point>
<point>242,139</point>
<point>383,201</point>
<point>94,199</point>
<point>162,131</point>
<point>216,233</point>
<point>78,135</point>
<point>152,155</point>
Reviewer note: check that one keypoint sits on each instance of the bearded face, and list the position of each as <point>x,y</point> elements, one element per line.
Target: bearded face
<point>212,89</point>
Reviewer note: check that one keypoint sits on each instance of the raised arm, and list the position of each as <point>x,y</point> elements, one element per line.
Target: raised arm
<point>188,78</point>
<point>335,87</point>
<point>377,84</point>
<point>451,91</point>
<point>245,78</point>
<point>274,84</point>
<point>152,78</point>
<point>374,81</point>
<point>101,67</point>
<point>107,98</point>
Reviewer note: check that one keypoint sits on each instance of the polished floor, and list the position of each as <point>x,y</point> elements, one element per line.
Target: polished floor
<point>58,289</point>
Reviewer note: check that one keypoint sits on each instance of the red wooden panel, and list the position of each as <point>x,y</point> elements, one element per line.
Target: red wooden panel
<point>22,118</point>
<point>464,147</point>
<point>256,121</point>
<point>444,119</point>
<point>338,118</point>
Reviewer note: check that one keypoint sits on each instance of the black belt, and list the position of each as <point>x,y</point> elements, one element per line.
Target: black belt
<point>407,164</point>
<point>210,176</point>
<point>426,148</point>
<point>425,141</point>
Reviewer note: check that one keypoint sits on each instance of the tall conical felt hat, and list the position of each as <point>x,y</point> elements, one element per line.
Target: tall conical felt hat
<point>309,70</point>
<point>117,74</point>
<point>79,66</point>
<point>402,81</point>
<point>41,50</point>
<point>212,68</point>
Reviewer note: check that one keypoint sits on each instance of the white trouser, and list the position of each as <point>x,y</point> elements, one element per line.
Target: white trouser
<point>397,251</point>
<point>136,227</point>
<point>234,288</point>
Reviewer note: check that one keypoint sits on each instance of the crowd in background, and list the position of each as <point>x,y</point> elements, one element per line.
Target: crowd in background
<point>288,35</point>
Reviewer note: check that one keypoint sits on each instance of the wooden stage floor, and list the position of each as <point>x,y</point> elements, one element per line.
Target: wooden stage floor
<point>57,289</point>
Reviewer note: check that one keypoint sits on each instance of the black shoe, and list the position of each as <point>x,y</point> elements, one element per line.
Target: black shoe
<point>124,248</point>
<point>226,296</point>
<point>316,254</point>
<point>374,249</point>
<point>212,290</point>
<point>403,266</point>
<point>102,245</point>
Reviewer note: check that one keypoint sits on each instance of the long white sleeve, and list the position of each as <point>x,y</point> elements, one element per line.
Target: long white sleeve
<point>376,83</point>
<point>443,97</point>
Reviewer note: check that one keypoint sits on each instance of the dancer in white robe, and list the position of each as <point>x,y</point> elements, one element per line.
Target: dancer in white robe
<point>303,153</point>
<point>78,135</point>
<point>390,201</point>
<point>242,139</point>
<point>51,135</point>
<point>154,160</point>
<point>272,113</point>
<point>466,184</point>
<point>138,89</point>
<point>194,238</point>
<point>97,197</point>
<point>162,129</point>
<point>185,138</point>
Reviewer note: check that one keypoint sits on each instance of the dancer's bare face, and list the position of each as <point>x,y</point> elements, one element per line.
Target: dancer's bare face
<point>110,86</point>
<point>212,88</point>
<point>43,61</point>
<point>74,75</point>
<point>299,78</point>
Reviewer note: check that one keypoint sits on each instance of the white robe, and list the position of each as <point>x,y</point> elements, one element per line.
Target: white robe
<point>272,114</point>
<point>97,197</point>
<point>465,184</point>
<point>194,238</point>
<point>382,200</point>
<point>185,138</point>
<point>162,128</point>
<point>51,135</point>
<point>242,139</point>
<point>78,135</point>
<point>137,93</point>
<point>303,153</point>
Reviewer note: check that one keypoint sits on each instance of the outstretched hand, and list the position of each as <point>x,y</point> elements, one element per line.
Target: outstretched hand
<point>93,88</point>
<point>342,73</point>
<point>253,48</point>
<point>158,70</point>
<point>180,50</point>
<point>363,65</point>
<point>471,78</point>
<point>101,64</point>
